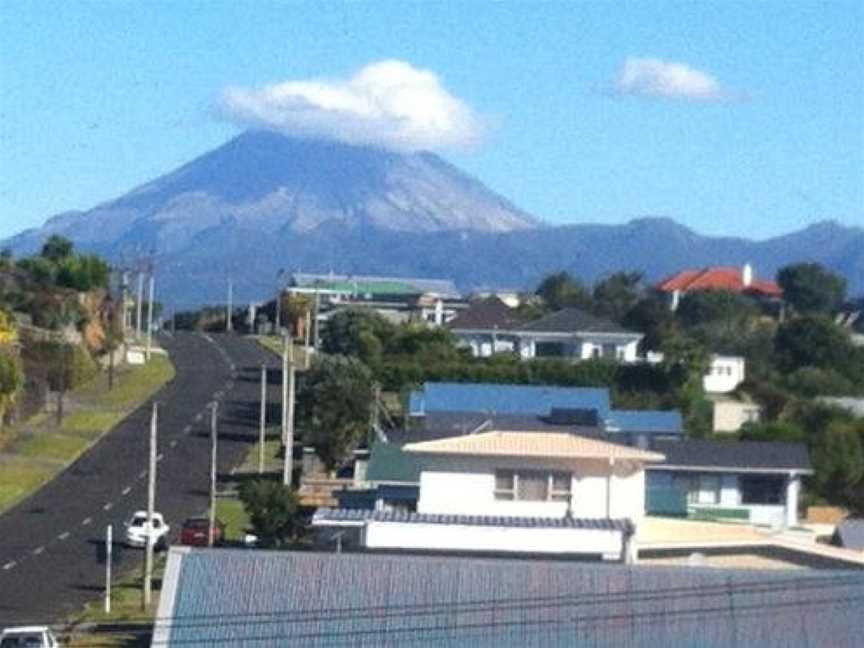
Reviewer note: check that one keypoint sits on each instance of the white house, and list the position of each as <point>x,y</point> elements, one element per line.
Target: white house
<point>725,373</point>
<point>515,492</point>
<point>570,333</point>
<point>730,414</point>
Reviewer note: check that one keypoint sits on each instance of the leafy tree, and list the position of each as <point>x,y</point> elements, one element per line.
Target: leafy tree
<point>294,310</point>
<point>838,460</point>
<point>561,290</point>
<point>773,431</point>
<point>57,248</point>
<point>720,307</point>
<point>82,272</point>
<point>7,260</point>
<point>811,288</point>
<point>615,295</point>
<point>653,318</point>
<point>813,341</point>
<point>357,332</point>
<point>274,512</point>
<point>334,400</point>
<point>61,366</point>
<point>8,330</point>
<point>11,380</point>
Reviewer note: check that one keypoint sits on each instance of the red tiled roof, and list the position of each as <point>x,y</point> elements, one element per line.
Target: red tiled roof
<point>717,278</point>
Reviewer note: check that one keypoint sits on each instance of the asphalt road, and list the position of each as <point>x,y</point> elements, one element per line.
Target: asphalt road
<point>52,550</point>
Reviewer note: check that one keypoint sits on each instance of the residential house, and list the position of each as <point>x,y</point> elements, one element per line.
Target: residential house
<point>512,492</point>
<point>754,481</point>
<point>724,374</point>
<point>729,414</point>
<point>222,597</point>
<point>569,333</point>
<point>398,299</point>
<point>739,280</point>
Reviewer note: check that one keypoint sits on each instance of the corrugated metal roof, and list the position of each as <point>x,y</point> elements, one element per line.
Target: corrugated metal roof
<point>550,445</point>
<point>325,515</point>
<point>374,284</point>
<point>505,399</point>
<point>259,598</point>
<point>646,421</point>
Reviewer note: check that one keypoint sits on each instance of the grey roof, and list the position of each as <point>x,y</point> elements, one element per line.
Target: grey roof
<point>262,598</point>
<point>850,533</point>
<point>488,314</point>
<point>745,455</point>
<point>324,515</point>
<point>570,320</point>
<point>442,287</point>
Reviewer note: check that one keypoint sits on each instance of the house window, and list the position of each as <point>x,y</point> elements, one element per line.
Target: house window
<point>761,489</point>
<point>532,486</point>
<point>700,489</point>
<point>595,352</point>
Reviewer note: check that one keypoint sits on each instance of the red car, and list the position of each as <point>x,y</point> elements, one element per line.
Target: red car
<point>194,532</point>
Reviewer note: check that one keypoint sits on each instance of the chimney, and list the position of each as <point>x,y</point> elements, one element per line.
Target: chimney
<point>747,275</point>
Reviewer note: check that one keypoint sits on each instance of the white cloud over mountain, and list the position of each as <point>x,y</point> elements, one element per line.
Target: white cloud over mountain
<point>650,77</point>
<point>390,104</point>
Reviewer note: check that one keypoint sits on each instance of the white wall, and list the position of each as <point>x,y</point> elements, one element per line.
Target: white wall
<point>725,373</point>
<point>729,415</point>
<point>466,486</point>
<point>454,537</point>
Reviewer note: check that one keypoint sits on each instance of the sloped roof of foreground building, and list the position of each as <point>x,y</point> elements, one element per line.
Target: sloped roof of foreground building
<point>261,598</point>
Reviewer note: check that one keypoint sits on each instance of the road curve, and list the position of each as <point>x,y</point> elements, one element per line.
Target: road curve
<point>52,544</point>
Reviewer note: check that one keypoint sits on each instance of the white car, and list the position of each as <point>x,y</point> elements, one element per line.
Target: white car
<point>28,637</point>
<point>138,528</point>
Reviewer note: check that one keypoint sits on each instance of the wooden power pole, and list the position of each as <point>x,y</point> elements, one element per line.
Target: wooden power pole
<point>262,422</point>
<point>213,463</point>
<point>288,392</point>
<point>150,317</point>
<point>151,502</point>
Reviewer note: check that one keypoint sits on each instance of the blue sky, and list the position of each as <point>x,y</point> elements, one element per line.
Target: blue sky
<point>733,118</point>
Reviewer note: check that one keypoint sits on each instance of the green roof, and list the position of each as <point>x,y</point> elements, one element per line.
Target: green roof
<point>388,463</point>
<point>371,287</point>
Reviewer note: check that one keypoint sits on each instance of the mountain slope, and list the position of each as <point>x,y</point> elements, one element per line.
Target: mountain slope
<point>270,183</point>
<point>263,202</point>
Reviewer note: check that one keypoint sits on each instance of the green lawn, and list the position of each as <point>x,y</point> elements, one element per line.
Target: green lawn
<point>20,476</point>
<point>274,344</point>
<point>125,610</point>
<point>232,514</point>
<point>36,450</point>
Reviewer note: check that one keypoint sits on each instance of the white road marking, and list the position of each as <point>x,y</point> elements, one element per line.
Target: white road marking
<point>9,565</point>
<point>173,443</point>
<point>199,416</point>
<point>187,429</point>
<point>63,535</point>
<point>160,457</point>
<point>86,521</point>
<point>142,474</point>
<point>38,550</point>
<point>108,507</point>
<point>126,490</point>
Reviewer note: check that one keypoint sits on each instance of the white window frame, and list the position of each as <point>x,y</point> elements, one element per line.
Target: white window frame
<point>552,494</point>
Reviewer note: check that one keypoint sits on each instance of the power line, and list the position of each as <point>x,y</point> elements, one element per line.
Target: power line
<point>754,587</point>
<point>587,622</point>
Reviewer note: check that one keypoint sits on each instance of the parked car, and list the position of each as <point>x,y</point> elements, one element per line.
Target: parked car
<point>194,532</point>
<point>28,637</point>
<point>138,528</point>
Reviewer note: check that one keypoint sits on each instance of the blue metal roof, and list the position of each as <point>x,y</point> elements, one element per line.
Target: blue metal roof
<point>505,399</point>
<point>650,421</point>
<point>261,598</point>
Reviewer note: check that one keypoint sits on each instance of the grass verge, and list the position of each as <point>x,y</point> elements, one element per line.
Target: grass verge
<point>37,450</point>
<point>274,344</point>
<point>127,624</point>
